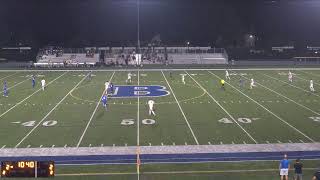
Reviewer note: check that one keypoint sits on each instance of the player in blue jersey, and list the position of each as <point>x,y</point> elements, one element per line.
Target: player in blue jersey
<point>33,81</point>
<point>104,101</point>
<point>111,88</point>
<point>5,89</point>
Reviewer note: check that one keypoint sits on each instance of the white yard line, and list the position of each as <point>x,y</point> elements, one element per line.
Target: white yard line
<point>290,85</point>
<point>183,114</point>
<point>30,96</point>
<point>233,119</point>
<point>138,114</point>
<point>282,120</point>
<point>138,130</point>
<point>27,135</point>
<point>92,115</point>
<point>9,76</point>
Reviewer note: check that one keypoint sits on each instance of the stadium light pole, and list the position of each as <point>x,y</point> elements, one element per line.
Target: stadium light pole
<point>138,25</point>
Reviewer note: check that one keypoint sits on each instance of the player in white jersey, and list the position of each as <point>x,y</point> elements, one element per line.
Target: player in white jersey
<point>129,80</point>
<point>43,84</point>
<point>290,77</point>
<point>182,78</point>
<point>311,86</point>
<point>227,75</point>
<point>106,87</point>
<point>252,83</point>
<point>151,108</point>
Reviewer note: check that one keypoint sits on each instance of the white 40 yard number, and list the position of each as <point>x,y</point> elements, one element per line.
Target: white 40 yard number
<point>128,122</point>
<point>34,123</point>
<point>241,120</point>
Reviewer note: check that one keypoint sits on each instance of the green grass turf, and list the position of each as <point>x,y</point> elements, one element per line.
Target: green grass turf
<point>284,109</point>
<point>283,113</point>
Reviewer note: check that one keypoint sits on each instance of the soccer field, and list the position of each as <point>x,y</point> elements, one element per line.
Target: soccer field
<point>68,113</point>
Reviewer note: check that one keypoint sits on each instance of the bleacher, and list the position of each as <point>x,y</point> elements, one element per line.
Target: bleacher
<point>167,55</point>
<point>126,56</point>
<point>206,58</point>
<point>51,57</point>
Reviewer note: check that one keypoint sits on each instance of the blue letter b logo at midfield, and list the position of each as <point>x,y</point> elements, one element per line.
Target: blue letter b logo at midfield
<point>141,91</point>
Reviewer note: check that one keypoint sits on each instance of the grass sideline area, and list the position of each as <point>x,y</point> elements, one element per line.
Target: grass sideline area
<point>67,114</point>
<point>218,170</point>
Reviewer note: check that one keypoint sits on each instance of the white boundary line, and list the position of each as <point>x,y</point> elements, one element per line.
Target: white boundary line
<point>155,69</point>
<point>27,135</point>
<point>290,84</point>
<point>8,75</point>
<point>267,109</point>
<point>188,162</point>
<point>183,114</point>
<point>138,130</point>
<point>93,113</point>
<point>248,134</point>
<point>30,95</point>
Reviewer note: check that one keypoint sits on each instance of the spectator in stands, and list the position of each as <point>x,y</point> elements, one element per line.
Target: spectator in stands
<point>284,167</point>
<point>316,175</point>
<point>298,170</point>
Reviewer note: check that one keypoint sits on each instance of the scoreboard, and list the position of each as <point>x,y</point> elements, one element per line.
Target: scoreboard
<point>27,169</point>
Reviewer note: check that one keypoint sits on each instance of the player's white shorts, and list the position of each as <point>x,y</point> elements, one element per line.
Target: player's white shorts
<point>284,172</point>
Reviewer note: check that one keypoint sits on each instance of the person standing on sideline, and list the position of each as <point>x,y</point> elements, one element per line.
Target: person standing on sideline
<point>298,170</point>
<point>284,167</point>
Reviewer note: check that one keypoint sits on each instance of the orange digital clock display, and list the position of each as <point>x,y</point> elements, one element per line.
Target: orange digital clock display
<point>26,164</point>
<point>27,169</point>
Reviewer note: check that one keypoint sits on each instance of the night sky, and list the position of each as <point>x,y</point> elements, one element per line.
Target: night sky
<point>202,22</point>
